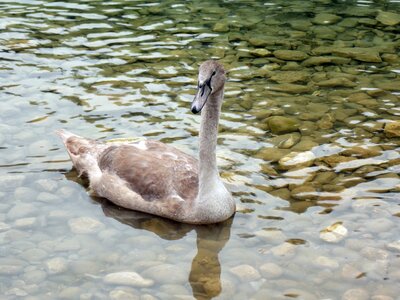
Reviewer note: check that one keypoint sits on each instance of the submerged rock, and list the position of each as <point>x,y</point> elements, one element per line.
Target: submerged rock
<point>363,152</point>
<point>334,160</point>
<point>272,154</point>
<point>327,262</point>
<point>289,76</point>
<point>324,33</point>
<point>291,88</point>
<point>221,27</point>
<point>284,249</point>
<point>304,192</point>
<point>388,85</point>
<point>290,54</point>
<point>392,129</point>
<point>84,225</point>
<point>34,276</point>
<point>4,227</point>
<point>245,272</point>
<point>286,141</point>
<point>271,270</point>
<point>334,82</point>
<point>21,210</point>
<point>71,292</point>
<point>394,246</point>
<point>280,125</point>
<point>25,222</point>
<point>297,159</point>
<point>260,52</point>
<point>120,294</point>
<point>381,297</point>
<point>305,144</point>
<point>127,278</point>
<point>355,294</point>
<point>11,267</point>
<point>56,265</point>
<point>334,233</point>
<point>162,274</point>
<point>361,54</point>
<point>390,58</point>
<point>388,18</point>
<point>325,19</point>
<point>321,60</point>
<point>374,254</point>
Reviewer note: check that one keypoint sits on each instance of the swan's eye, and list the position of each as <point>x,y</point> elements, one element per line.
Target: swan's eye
<point>213,73</point>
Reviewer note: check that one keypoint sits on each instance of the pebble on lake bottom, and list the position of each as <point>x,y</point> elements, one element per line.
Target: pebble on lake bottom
<point>127,278</point>
<point>283,250</point>
<point>271,270</point>
<point>35,276</point>
<point>121,294</point>
<point>334,233</point>
<point>245,272</point>
<point>327,262</point>
<point>71,292</point>
<point>21,210</point>
<point>355,294</point>
<point>381,297</point>
<point>162,274</point>
<point>85,225</point>
<point>350,272</point>
<point>56,265</point>
<point>394,246</point>
<point>4,227</point>
<point>25,222</point>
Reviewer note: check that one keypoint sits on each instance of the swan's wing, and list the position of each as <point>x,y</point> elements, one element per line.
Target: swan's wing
<point>153,170</point>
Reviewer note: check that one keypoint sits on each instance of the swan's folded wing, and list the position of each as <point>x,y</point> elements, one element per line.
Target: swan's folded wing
<point>152,169</point>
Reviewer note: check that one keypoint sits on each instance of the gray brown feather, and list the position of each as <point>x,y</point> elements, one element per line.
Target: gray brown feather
<point>156,172</point>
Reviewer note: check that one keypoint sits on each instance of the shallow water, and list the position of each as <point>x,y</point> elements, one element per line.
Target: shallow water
<point>317,191</point>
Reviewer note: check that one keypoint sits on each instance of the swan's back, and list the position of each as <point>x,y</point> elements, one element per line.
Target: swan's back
<point>152,169</point>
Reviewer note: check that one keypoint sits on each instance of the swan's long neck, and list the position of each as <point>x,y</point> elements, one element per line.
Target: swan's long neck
<point>208,171</point>
<point>214,203</point>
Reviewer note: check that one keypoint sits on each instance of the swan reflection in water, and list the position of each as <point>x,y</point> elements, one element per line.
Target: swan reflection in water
<point>205,272</point>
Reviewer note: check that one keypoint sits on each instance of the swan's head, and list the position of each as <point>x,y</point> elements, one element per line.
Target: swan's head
<point>211,80</point>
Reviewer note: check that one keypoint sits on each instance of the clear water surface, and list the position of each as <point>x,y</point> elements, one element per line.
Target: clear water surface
<point>308,144</point>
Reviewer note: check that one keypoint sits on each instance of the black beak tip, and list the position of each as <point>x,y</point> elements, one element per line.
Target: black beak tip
<point>194,109</point>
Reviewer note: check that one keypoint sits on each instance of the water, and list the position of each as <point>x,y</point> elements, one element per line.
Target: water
<point>317,191</point>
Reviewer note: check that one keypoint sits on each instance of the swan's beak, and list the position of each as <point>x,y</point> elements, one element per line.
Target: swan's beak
<point>201,97</point>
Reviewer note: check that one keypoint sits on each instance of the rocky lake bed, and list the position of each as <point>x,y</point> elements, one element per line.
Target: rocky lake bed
<point>308,144</point>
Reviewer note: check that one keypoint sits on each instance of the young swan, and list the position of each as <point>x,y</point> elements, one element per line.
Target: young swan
<point>156,178</point>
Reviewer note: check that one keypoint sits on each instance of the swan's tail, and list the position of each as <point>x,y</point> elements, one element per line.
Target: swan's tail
<point>82,151</point>
<point>65,135</point>
<point>76,144</point>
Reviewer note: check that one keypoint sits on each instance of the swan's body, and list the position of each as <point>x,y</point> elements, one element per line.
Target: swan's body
<point>156,178</point>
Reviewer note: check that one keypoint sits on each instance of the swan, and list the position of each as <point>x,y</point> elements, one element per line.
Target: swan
<point>156,178</point>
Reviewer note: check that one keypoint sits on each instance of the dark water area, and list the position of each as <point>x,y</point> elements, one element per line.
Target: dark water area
<point>308,144</point>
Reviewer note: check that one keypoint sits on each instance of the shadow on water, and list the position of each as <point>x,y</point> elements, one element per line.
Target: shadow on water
<point>205,272</point>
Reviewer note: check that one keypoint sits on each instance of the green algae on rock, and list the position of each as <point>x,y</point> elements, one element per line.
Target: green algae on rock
<point>361,54</point>
<point>388,18</point>
<point>325,19</point>
<point>290,55</point>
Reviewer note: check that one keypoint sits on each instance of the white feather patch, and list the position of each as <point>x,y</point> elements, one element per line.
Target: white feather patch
<point>141,145</point>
